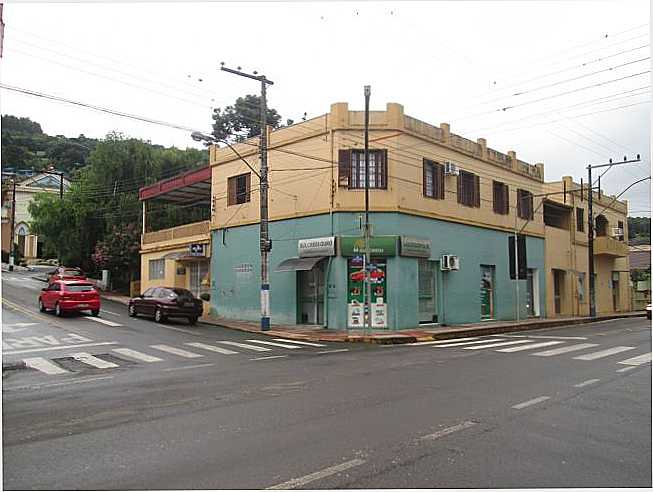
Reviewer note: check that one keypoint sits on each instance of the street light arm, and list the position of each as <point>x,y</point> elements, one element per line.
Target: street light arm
<point>201,137</point>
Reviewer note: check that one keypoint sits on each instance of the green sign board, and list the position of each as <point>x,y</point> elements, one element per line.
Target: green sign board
<point>380,246</point>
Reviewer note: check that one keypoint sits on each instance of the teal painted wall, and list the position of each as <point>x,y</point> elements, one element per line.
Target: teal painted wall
<point>237,294</point>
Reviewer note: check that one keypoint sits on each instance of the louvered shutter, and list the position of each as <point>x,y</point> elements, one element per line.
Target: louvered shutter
<point>231,191</point>
<point>459,180</point>
<point>248,186</point>
<point>425,171</point>
<point>382,169</point>
<point>438,177</point>
<point>344,168</point>
<point>506,199</point>
<point>477,191</point>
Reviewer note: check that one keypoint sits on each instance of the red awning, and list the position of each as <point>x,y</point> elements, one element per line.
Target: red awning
<point>190,187</point>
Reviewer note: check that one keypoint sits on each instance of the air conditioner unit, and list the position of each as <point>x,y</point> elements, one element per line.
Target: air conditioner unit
<point>617,232</point>
<point>450,169</point>
<point>444,263</point>
<point>454,262</point>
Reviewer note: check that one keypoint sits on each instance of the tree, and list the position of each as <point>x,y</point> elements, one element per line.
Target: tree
<point>119,253</point>
<point>243,116</point>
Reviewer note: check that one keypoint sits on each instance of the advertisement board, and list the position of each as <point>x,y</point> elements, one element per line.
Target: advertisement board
<point>356,295</point>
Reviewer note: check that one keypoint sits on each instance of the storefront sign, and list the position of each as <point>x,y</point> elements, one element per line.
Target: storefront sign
<point>379,314</point>
<point>319,246</point>
<point>414,246</point>
<point>196,250</point>
<point>356,295</point>
<point>383,246</point>
<point>355,315</point>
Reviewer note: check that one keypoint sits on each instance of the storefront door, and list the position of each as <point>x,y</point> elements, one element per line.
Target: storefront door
<point>487,291</point>
<point>428,312</point>
<point>311,295</point>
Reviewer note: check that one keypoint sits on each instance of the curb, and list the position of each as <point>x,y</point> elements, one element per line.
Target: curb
<point>452,333</point>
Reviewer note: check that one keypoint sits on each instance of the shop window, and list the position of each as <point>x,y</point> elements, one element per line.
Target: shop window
<point>433,179</point>
<point>500,198</point>
<point>238,189</point>
<point>469,189</point>
<point>487,291</point>
<point>580,220</point>
<point>581,287</point>
<point>351,168</point>
<point>525,204</point>
<point>157,269</point>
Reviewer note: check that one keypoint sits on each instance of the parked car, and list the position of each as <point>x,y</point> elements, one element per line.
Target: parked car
<point>648,312</point>
<point>66,273</point>
<point>70,295</point>
<point>166,302</point>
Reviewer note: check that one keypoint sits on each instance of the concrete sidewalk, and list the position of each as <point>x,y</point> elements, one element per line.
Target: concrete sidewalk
<point>320,334</point>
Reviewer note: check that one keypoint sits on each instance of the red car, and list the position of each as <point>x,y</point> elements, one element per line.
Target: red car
<point>70,295</point>
<point>66,273</point>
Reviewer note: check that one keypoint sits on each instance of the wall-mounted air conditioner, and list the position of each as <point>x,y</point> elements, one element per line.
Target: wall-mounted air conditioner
<point>617,232</point>
<point>450,169</point>
<point>449,262</point>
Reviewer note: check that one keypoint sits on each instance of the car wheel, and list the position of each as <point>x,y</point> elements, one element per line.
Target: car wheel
<point>192,320</point>
<point>41,306</point>
<point>131,310</point>
<point>158,316</point>
<point>57,310</point>
<point>95,312</point>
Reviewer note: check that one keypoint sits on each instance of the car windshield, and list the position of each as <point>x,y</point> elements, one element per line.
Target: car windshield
<point>72,272</point>
<point>79,287</point>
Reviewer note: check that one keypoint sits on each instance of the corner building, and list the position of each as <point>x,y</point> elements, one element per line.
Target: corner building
<point>437,200</point>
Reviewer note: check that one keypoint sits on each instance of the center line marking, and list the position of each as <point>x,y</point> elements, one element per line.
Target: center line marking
<point>270,357</point>
<point>528,403</point>
<point>332,351</point>
<point>625,369</point>
<point>332,470</point>
<point>187,367</point>
<point>110,312</point>
<point>100,320</point>
<point>448,430</point>
<point>586,383</point>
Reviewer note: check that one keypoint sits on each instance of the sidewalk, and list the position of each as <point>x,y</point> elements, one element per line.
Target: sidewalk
<point>383,337</point>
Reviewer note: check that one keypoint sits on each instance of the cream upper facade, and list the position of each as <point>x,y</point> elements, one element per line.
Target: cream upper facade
<point>306,174</point>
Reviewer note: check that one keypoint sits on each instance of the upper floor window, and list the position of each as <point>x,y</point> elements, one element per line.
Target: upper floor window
<point>351,168</point>
<point>525,204</point>
<point>500,197</point>
<point>620,226</point>
<point>469,189</point>
<point>238,189</point>
<point>433,180</point>
<point>580,220</point>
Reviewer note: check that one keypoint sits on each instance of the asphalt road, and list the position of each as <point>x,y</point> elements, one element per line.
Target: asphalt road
<point>564,407</point>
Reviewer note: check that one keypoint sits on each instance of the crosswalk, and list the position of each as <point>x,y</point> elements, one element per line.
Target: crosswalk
<point>530,346</point>
<point>161,352</point>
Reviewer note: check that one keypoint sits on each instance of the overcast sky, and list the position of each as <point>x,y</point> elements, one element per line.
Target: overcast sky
<point>552,65</point>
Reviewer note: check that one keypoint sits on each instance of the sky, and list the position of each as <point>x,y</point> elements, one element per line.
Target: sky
<point>563,83</point>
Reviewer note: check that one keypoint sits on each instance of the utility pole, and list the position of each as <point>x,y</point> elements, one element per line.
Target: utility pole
<point>367,316</point>
<point>13,225</point>
<point>590,228</point>
<point>265,243</point>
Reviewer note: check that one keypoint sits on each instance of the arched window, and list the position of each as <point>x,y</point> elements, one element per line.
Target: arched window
<point>601,226</point>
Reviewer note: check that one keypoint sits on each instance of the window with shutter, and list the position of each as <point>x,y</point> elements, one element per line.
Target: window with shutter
<point>238,189</point>
<point>525,204</point>
<point>355,170</point>
<point>469,193</point>
<point>433,179</point>
<point>500,197</point>
<point>344,168</point>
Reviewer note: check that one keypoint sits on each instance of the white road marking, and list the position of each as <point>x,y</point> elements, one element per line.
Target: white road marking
<point>438,342</point>
<point>310,344</point>
<point>212,348</point>
<point>636,361</point>
<point>603,353</point>
<point>245,346</point>
<point>564,350</point>
<point>448,430</point>
<point>176,351</point>
<point>624,369</point>
<point>174,328</point>
<point>18,325</point>
<point>274,344</point>
<point>529,347</point>
<point>332,470</point>
<point>137,355</point>
<point>187,367</point>
<point>100,320</point>
<point>543,336</point>
<point>498,344</point>
<point>528,403</point>
<point>60,347</point>
<point>332,351</point>
<point>110,312</point>
<point>458,344</point>
<point>586,383</point>
<point>44,365</point>
<point>270,357</point>
<point>91,360</point>
<point>65,383</point>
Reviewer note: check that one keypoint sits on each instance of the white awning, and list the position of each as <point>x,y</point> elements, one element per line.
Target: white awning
<point>294,264</point>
